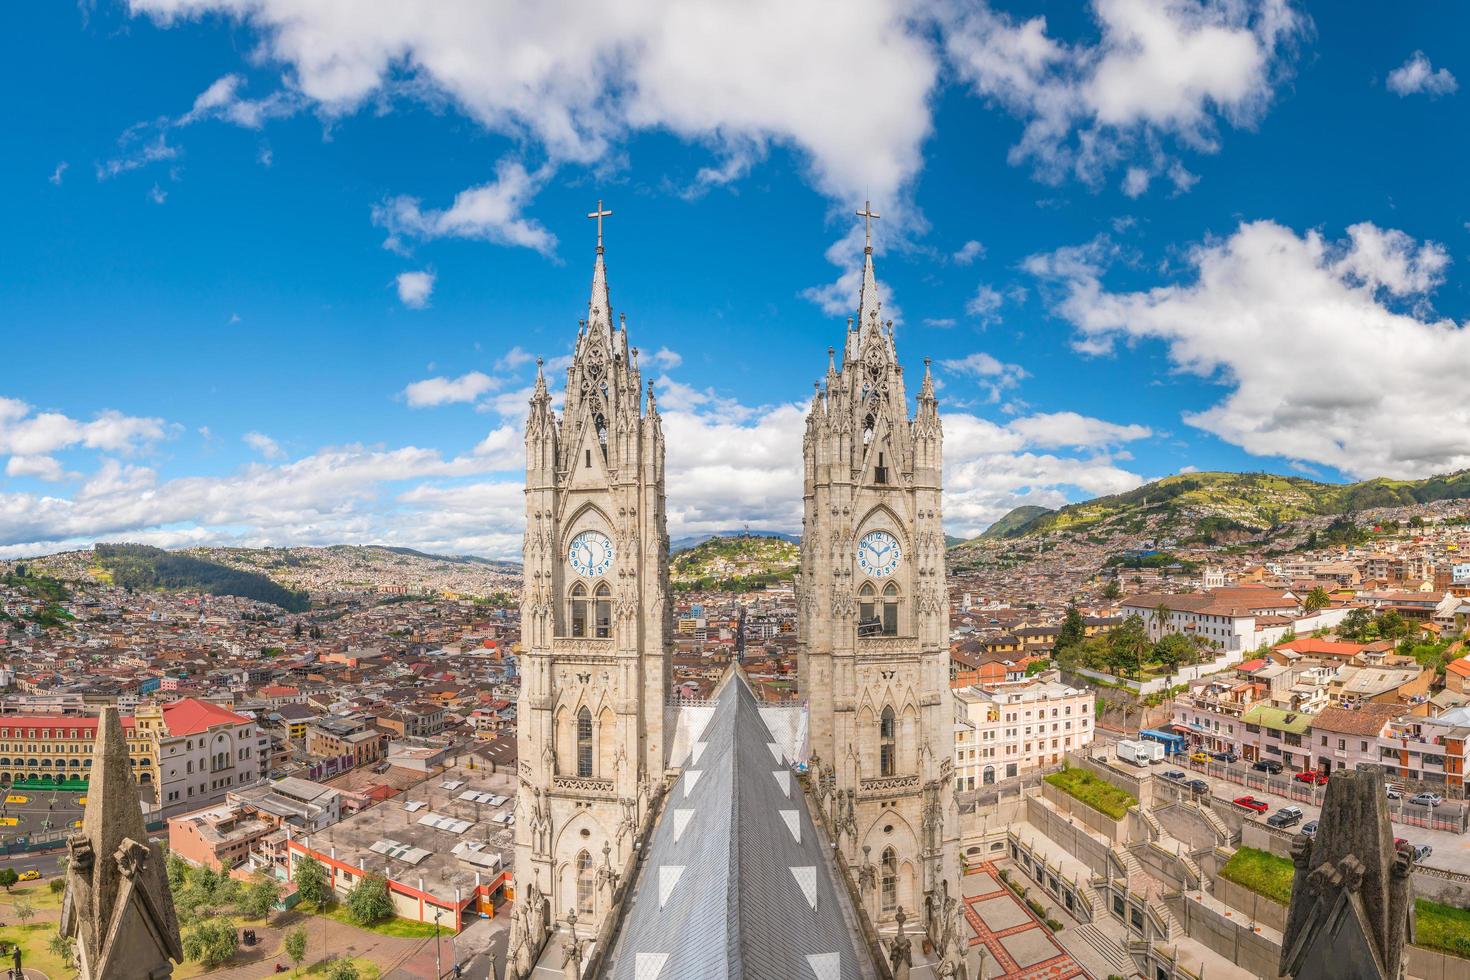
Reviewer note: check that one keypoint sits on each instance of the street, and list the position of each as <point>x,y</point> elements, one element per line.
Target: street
<point>1451,850</point>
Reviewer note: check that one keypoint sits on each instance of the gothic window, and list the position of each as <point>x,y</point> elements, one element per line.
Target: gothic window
<point>584,743</point>
<point>890,609</point>
<point>988,778</point>
<point>585,884</point>
<point>579,610</point>
<point>889,880</point>
<point>880,474</point>
<point>868,622</point>
<point>868,430</point>
<point>603,612</point>
<point>887,742</point>
<point>601,425</point>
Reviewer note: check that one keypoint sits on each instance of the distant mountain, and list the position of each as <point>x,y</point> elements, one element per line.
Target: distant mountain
<point>1215,508</point>
<point>140,566</point>
<point>677,545</point>
<point>1015,521</point>
<point>738,563</point>
<point>456,559</point>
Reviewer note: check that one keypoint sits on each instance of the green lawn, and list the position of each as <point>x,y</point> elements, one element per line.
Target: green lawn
<point>1439,927</point>
<point>1096,792</point>
<point>1262,872</point>
<point>405,928</point>
<point>34,954</point>
<point>366,969</point>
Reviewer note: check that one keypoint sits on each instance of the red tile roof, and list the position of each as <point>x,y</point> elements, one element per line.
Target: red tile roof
<point>192,717</point>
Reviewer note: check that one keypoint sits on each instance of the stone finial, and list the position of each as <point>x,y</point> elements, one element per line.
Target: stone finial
<point>1352,901</point>
<point>118,905</point>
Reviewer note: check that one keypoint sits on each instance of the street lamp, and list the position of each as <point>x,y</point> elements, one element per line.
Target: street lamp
<point>438,971</point>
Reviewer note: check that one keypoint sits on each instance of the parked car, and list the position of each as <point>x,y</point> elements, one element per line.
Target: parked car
<point>1310,828</point>
<point>1311,776</point>
<point>1421,851</point>
<point>1393,792</point>
<point>1251,803</point>
<point>1199,786</point>
<point>1175,774</point>
<point>1399,842</point>
<point>1426,799</point>
<point>1227,756</point>
<point>1200,757</point>
<point>1267,765</point>
<point>1285,817</point>
<point>30,874</point>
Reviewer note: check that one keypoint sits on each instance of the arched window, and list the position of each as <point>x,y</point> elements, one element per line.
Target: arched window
<point>868,429</point>
<point>888,880</point>
<point>603,614</point>
<point>579,610</point>
<point>585,884</point>
<point>890,609</point>
<point>584,743</point>
<point>988,777</point>
<point>887,743</point>
<point>868,622</point>
<point>601,424</point>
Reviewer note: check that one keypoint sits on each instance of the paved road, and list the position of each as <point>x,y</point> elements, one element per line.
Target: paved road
<point>1451,850</point>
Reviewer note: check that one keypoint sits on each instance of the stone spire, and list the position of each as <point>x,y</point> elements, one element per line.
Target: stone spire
<point>1352,896</point>
<point>118,905</point>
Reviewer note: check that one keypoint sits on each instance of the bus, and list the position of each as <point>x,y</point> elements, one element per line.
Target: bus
<point>1173,744</point>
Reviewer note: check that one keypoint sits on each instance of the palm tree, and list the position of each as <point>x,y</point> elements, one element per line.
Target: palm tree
<point>1316,600</point>
<point>1160,618</point>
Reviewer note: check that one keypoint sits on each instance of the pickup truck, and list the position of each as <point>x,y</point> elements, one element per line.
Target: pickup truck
<point>1251,803</point>
<point>1285,817</point>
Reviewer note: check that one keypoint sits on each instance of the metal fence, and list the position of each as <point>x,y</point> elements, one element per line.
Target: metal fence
<point>1450,816</point>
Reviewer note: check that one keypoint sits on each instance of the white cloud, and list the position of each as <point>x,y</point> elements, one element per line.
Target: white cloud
<point>222,100</point>
<point>1052,430</point>
<point>263,444</point>
<point>993,375</point>
<point>490,211</point>
<point>39,467</point>
<point>137,152</point>
<point>1136,181</point>
<point>514,358</point>
<point>736,77</point>
<point>157,195</point>
<point>56,174</point>
<point>1329,350</point>
<point>665,359</point>
<point>985,304</point>
<point>24,432</point>
<point>1157,71</point>
<point>415,288</point>
<point>1417,75</point>
<point>443,391</point>
<point>968,252</point>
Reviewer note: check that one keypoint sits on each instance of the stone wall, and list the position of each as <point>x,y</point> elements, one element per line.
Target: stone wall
<point>1114,830</point>
<point>1137,784</point>
<point>1185,824</point>
<point>1065,834</point>
<point>1251,906</point>
<point>1226,935</point>
<point>1164,865</point>
<point>1428,964</point>
<point>1448,887</point>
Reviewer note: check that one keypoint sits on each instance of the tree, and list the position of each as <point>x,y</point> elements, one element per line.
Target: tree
<point>311,882</point>
<point>178,872</point>
<point>296,945</point>
<point>1393,626</point>
<point>1416,522</point>
<point>260,897</point>
<point>342,970</point>
<point>57,885</point>
<point>24,911</point>
<point>1160,617</point>
<point>1173,650</point>
<point>63,947</point>
<point>369,901</point>
<point>211,942</point>
<point>1112,590</point>
<point>1073,631</point>
<point>8,877</point>
<point>1316,600</point>
<point>1128,645</point>
<point>1356,624</point>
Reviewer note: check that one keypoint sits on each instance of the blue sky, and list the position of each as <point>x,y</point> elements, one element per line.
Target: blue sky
<point>268,276</point>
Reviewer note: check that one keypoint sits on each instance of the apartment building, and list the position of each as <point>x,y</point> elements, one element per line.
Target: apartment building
<point>418,720</point>
<point>1344,737</point>
<point>339,737</point>
<point>219,837</point>
<point>1430,750</point>
<point>1003,732</point>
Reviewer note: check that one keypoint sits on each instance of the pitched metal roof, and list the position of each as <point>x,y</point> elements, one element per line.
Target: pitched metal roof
<point>737,883</point>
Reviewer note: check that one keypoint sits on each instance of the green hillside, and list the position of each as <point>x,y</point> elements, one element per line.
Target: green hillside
<point>1015,522</point>
<point>735,564</point>
<point>139,566</point>
<point>1214,507</point>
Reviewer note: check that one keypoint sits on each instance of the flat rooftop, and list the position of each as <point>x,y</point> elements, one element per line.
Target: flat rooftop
<point>439,831</point>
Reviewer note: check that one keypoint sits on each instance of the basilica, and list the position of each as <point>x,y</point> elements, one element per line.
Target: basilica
<point>734,838</point>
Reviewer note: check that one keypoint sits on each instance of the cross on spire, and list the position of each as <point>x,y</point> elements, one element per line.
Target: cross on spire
<point>867,214</point>
<point>599,214</point>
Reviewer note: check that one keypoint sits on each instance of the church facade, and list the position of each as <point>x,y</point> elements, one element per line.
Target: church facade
<point>610,774</point>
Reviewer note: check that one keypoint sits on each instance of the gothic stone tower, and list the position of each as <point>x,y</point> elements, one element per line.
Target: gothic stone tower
<point>596,624</point>
<point>873,620</point>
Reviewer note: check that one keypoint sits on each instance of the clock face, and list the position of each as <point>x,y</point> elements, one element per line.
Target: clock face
<point>591,554</point>
<point>878,554</point>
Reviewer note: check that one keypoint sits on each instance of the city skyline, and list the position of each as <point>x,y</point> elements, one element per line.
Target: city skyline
<point>285,280</point>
